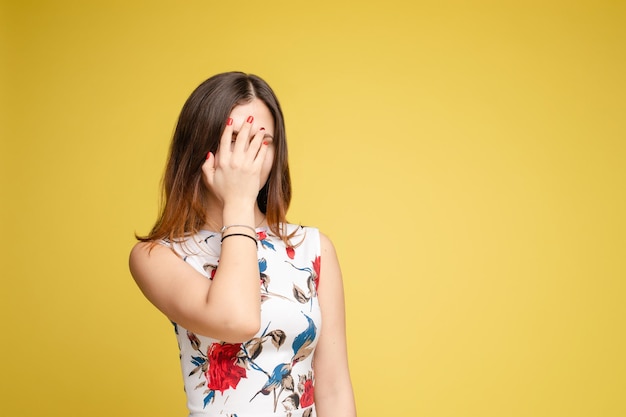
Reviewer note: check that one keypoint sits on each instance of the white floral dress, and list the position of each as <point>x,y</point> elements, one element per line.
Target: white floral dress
<point>271,374</point>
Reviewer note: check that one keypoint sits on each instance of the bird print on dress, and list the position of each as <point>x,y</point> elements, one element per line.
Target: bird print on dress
<point>282,377</point>
<point>312,282</point>
<point>224,364</point>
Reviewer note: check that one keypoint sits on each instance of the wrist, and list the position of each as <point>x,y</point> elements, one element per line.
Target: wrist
<point>238,214</point>
<point>237,226</point>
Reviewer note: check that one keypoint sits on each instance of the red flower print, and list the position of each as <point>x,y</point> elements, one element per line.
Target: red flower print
<point>306,399</point>
<point>210,269</point>
<point>262,235</point>
<point>317,264</point>
<point>291,252</point>
<point>223,372</point>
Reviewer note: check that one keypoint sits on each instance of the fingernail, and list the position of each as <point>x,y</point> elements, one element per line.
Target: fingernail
<point>229,122</point>
<point>249,119</point>
<point>265,142</point>
<point>208,155</point>
<point>262,128</point>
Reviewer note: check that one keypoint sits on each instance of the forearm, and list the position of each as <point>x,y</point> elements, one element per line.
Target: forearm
<point>234,293</point>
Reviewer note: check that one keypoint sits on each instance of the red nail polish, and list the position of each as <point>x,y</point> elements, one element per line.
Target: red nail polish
<point>249,119</point>
<point>208,155</point>
<point>229,122</point>
<point>262,128</point>
<point>265,142</point>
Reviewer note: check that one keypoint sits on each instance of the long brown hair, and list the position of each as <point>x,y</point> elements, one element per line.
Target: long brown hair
<point>198,131</point>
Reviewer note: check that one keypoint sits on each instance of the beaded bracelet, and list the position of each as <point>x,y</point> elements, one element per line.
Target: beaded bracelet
<point>223,229</point>
<point>238,234</point>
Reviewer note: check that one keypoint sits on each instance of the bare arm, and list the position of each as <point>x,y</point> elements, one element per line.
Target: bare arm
<point>227,308</point>
<point>333,388</point>
<point>190,299</point>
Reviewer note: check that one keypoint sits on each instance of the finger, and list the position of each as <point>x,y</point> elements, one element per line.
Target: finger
<point>255,144</point>
<point>227,136</point>
<point>243,137</point>
<point>208,168</point>
<point>262,154</point>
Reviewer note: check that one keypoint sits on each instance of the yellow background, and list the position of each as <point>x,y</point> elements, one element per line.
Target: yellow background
<point>467,159</point>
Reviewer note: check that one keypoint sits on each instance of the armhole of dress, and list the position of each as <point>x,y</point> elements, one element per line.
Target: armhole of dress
<point>318,255</point>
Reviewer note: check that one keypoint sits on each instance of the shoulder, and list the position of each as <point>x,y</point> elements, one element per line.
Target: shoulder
<point>145,254</point>
<point>313,237</point>
<point>325,243</point>
<point>144,250</point>
<point>328,253</point>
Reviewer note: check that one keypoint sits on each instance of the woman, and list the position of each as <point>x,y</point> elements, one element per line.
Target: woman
<point>257,303</point>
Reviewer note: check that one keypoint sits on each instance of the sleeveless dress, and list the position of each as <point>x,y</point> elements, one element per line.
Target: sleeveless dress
<point>270,375</point>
